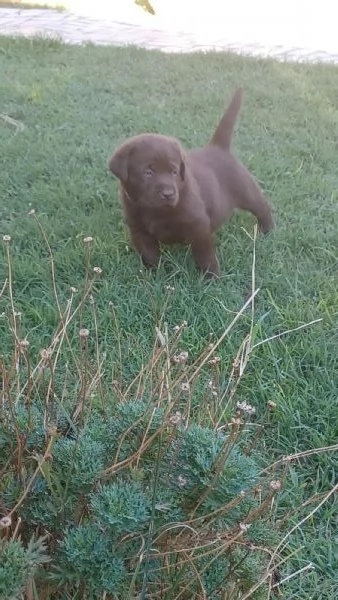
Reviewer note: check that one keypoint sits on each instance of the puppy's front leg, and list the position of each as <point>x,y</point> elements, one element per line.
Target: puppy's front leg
<point>203,251</point>
<point>147,246</point>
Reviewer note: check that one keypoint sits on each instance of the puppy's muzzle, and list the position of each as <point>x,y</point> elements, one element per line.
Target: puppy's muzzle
<point>169,197</point>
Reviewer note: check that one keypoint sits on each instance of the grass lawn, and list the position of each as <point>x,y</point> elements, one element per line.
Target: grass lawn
<point>63,111</point>
<point>63,4</point>
<point>31,4</point>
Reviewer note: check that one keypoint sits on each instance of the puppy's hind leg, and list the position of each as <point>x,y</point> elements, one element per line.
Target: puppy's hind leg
<point>250,197</point>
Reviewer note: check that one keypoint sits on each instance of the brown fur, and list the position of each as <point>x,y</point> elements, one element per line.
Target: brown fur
<point>172,196</point>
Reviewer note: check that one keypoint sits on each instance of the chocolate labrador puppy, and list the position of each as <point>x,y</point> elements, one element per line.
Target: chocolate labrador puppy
<point>174,196</point>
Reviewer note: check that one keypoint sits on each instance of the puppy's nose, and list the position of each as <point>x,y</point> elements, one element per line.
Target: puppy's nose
<point>168,195</point>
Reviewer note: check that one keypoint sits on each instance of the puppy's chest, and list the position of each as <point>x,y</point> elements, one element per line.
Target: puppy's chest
<point>166,229</point>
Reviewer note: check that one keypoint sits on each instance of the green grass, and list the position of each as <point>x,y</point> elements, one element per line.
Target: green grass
<point>69,108</point>
<point>27,4</point>
<point>67,4</point>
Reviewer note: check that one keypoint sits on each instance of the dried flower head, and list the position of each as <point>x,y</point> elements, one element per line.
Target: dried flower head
<point>275,485</point>
<point>6,238</point>
<point>45,353</point>
<point>87,240</point>
<point>83,333</point>
<point>181,358</point>
<point>185,387</point>
<point>52,431</point>
<point>31,212</point>
<point>178,328</point>
<point>97,270</point>
<point>214,361</point>
<point>236,364</point>
<point>5,522</point>
<point>91,299</point>
<point>176,419</point>
<point>244,526</point>
<point>23,344</point>
<point>169,288</point>
<point>259,488</point>
<point>212,387</point>
<point>73,290</point>
<point>244,407</point>
<point>271,405</point>
<point>181,481</point>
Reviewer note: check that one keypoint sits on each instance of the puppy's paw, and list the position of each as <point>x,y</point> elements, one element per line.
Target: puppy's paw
<point>267,224</point>
<point>212,271</point>
<point>205,257</point>
<point>150,263</point>
<point>210,275</point>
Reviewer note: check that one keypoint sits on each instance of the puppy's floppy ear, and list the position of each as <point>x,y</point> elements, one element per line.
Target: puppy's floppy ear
<point>182,160</point>
<point>182,168</point>
<point>118,162</point>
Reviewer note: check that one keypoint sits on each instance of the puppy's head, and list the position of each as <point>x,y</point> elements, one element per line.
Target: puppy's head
<point>151,169</point>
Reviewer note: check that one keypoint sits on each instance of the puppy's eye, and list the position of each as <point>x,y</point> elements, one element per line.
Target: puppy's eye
<point>149,172</point>
<point>174,171</point>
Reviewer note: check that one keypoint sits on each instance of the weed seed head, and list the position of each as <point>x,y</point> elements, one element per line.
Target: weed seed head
<point>244,407</point>
<point>275,485</point>
<point>271,405</point>
<point>45,354</point>
<point>23,345</point>
<point>181,358</point>
<point>176,419</point>
<point>214,361</point>
<point>5,522</point>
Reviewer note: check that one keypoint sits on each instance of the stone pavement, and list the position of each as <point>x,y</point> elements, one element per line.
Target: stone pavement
<point>285,36</point>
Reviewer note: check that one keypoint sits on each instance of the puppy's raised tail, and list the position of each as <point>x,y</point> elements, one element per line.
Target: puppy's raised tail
<point>224,132</point>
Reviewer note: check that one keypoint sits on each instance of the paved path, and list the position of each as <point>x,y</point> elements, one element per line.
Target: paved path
<point>289,35</point>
